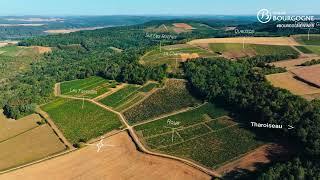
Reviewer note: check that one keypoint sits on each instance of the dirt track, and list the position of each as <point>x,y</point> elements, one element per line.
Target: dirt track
<point>122,161</point>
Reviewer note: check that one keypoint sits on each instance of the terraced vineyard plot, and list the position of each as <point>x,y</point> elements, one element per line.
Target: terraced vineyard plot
<point>201,114</point>
<point>120,97</point>
<point>90,87</point>
<point>148,87</point>
<point>81,120</point>
<point>30,146</point>
<point>173,97</point>
<point>216,148</point>
<point>204,135</point>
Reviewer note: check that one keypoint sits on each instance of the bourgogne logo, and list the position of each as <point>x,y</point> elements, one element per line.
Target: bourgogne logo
<point>264,16</point>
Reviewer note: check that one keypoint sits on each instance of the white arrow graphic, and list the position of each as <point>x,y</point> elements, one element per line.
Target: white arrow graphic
<point>290,127</point>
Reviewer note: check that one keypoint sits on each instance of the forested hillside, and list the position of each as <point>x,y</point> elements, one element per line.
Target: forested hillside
<point>80,55</point>
<point>243,90</point>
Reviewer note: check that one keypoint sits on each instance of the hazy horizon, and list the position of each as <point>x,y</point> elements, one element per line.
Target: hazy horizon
<point>152,8</point>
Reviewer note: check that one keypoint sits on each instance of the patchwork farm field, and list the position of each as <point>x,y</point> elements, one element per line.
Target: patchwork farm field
<point>127,96</point>
<point>232,50</point>
<point>197,134</point>
<point>90,87</point>
<point>123,161</point>
<point>81,120</point>
<point>174,96</point>
<point>31,145</point>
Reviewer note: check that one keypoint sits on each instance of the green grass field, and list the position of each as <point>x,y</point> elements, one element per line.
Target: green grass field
<point>120,97</point>
<point>14,51</point>
<point>233,50</point>
<point>89,87</point>
<point>201,133</point>
<point>81,120</point>
<point>172,55</point>
<point>314,39</point>
<point>173,97</point>
<point>128,96</point>
<point>304,49</point>
<point>149,86</point>
<point>314,49</point>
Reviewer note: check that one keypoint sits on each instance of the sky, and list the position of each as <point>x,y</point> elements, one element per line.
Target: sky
<point>155,7</point>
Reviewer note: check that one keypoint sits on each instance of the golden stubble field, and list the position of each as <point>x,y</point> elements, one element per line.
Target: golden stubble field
<point>122,161</point>
<point>29,146</point>
<point>288,81</point>
<point>287,41</point>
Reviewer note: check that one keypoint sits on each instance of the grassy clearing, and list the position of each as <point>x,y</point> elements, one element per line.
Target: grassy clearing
<point>314,49</point>
<point>81,120</point>
<point>30,146</point>
<point>201,133</point>
<point>304,49</point>
<point>15,60</point>
<point>314,39</point>
<point>14,51</point>
<point>90,87</point>
<point>10,128</point>
<point>128,96</point>
<point>171,55</point>
<point>232,50</point>
<point>173,97</point>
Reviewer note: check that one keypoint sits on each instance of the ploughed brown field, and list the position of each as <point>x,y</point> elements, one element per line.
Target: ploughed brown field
<point>309,74</point>
<point>288,81</point>
<point>182,25</point>
<point>252,160</point>
<point>122,161</point>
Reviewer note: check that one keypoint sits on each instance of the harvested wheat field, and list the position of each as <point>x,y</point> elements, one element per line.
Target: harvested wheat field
<point>309,74</point>
<point>292,63</point>
<point>122,161</point>
<point>183,25</point>
<point>41,49</point>
<point>10,127</point>
<point>287,81</point>
<point>29,146</point>
<point>248,40</point>
<point>254,159</point>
